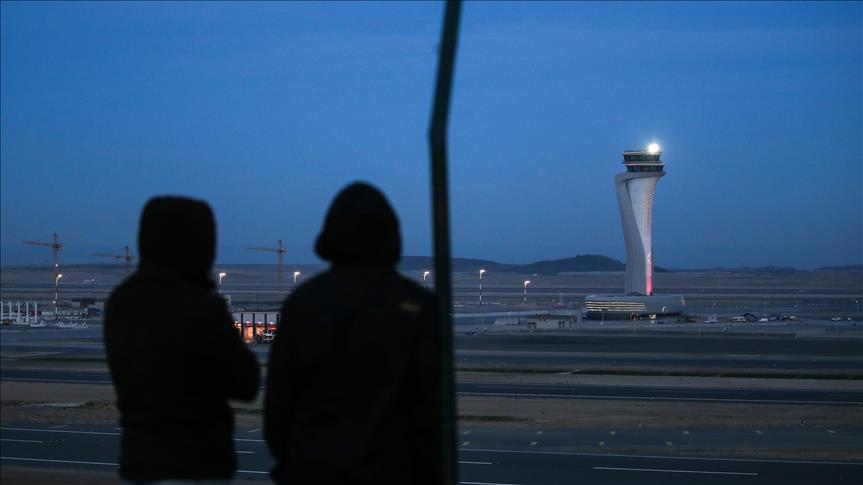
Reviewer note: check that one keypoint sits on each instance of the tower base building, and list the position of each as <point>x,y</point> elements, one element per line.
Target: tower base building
<point>633,307</point>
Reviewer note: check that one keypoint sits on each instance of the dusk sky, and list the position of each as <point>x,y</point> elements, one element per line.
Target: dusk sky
<point>267,109</point>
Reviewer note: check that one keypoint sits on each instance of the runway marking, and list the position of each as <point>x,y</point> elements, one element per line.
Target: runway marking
<point>243,452</point>
<point>601,443</point>
<point>655,398</point>
<point>46,460</point>
<point>99,463</point>
<point>466,432</point>
<point>668,443</point>
<point>475,462</point>
<point>74,381</point>
<point>107,433</point>
<point>466,443</point>
<point>536,452</point>
<point>533,443</point>
<point>661,457</point>
<point>612,432</point>
<point>559,396</point>
<point>21,441</point>
<point>685,432</point>
<point>831,431</point>
<point>59,431</point>
<point>254,430</point>
<point>703,472</point>
<point>486,483</point>
<point>758,431</point>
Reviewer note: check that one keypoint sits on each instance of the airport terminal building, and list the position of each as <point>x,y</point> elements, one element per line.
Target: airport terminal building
<point>635,191</point>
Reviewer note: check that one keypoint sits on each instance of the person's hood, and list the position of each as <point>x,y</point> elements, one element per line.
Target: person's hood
<point>361,229</point>
<point>179,234</point>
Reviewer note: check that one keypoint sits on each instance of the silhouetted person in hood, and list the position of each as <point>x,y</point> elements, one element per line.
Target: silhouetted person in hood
<point>352,384</point>
<point>174,354</point>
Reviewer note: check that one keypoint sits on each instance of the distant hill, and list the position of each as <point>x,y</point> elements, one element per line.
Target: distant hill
<point>771,269</point>
<point>577,264</point>
<point>851,268</point>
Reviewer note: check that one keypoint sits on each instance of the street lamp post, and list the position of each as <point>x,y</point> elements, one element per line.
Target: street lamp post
<point>221,275</point>
<point>481,272</point>
<point>56,293</point>
<point>425,276</point>
<point>524,296</point>
<point>296,275</point>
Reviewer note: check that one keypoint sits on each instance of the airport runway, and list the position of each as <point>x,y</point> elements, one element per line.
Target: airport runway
<point>666,351</point>
<point>526,454</point>
<point>478,359</point>
<point>667,344</point>
<point>562,351</point>
<point>539,462</point>
<point>546,391</point>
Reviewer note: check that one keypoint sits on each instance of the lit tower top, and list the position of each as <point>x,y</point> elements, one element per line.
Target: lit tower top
<point>635,190</point>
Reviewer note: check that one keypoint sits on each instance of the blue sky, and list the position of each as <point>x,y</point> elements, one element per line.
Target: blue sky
<point>267,109</point>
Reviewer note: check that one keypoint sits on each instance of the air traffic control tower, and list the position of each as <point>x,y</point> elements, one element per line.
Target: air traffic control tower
<point>635,190</point>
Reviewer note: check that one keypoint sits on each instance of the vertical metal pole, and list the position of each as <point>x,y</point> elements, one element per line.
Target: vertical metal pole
<point>56,295</point>
<point>440,216</point>
<point>279,262</point>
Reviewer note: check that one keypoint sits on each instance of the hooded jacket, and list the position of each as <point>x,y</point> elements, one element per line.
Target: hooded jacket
<point>174,354</point>
<point>352,385</point>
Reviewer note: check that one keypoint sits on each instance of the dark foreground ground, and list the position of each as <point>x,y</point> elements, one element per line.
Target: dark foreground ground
<point>533,409</point>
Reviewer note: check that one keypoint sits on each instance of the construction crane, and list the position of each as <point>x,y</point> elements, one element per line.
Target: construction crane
<point>280,251</point>
<point>56,246</point>
<point>126,257</point>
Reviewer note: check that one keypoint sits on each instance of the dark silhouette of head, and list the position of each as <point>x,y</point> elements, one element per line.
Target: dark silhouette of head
<point>179,234</point>
<point>361,229</point>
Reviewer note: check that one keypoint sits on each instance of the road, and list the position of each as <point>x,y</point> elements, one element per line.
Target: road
<point>528,454</point>
<point>765,346</point>
<point>526,390</point>
<point>532,464</point>
<point>563,351</point>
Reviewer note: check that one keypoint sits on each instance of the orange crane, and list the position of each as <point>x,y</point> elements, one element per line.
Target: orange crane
<point>56,246</point>
<point>280,251</point>
<point>126,256</point>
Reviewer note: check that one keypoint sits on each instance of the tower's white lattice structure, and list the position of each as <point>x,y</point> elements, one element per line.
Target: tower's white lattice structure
<point>635,191</point>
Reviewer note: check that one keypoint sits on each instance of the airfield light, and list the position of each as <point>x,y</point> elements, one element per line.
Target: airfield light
<point>56,293</point>
<point>221,275</point>
<point>296,275</point>
<point>653,148</point>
